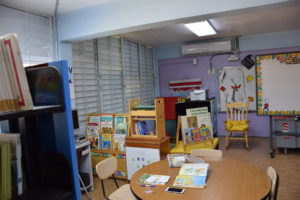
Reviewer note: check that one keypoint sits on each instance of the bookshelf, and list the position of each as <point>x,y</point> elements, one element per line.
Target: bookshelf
<point>142,150</point>
<point>98,154</point>
<point>47,128</point>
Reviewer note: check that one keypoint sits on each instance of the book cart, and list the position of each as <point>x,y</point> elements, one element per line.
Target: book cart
<point>98,154</point>
<point>143,149</point>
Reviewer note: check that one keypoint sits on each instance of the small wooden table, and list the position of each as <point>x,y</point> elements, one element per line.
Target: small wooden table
<point>228,179</point>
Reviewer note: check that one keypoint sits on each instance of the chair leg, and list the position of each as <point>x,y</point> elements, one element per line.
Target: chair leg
<point>103,189</point>
<point>115,181</point>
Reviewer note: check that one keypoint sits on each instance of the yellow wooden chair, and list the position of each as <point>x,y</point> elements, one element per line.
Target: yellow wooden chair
<point>236,122</point>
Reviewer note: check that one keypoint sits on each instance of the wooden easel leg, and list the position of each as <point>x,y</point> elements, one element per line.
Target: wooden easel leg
<point>226,141</point>
<point>246,139</point>
<point>178,129</point>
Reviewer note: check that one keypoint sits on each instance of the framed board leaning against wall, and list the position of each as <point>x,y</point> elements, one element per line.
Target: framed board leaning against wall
<point>236,84</point>
<point>278,80</point>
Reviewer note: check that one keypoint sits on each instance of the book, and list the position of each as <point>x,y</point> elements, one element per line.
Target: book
<point>192,175</point>
<point>196,111</point>
<point>94,141</point>
<point>120,125</point>
<point>95,119</point>
<point>16,71</point>
<point>106,142</point>
<point>153,179</point>
<point>205,127</point>
<point>106,124</point>
<point>119,142</point>
<point>92,129</point>
<point>187,137</point>
<point>143,128</point>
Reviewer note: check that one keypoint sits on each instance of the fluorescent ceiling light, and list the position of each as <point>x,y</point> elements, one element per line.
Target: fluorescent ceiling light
<point>202,28</point>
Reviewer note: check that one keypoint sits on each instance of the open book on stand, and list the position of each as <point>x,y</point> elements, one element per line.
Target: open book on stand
<point>192,175</point>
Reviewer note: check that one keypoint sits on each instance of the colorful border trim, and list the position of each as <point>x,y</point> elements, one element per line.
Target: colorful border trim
<point>288,58</point>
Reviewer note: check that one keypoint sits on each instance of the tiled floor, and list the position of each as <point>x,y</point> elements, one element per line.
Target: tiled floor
<point>286,165</point>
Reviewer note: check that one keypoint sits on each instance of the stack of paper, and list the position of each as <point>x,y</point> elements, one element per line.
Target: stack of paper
<point>153,179</point>
<point>192,175</point>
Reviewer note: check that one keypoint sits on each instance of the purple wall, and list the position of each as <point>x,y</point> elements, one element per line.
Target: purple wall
<point>183,68</point>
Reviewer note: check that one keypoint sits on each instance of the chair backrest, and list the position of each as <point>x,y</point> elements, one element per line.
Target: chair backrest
<point>106,167</point>
<point>237,111</point>
<point>207,153</point>
<point>275,182</point>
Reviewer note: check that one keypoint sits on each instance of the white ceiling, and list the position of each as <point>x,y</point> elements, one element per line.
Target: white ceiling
<point>257,22</point>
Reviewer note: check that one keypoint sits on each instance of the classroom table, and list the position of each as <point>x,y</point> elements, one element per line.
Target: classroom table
<point>227,179</point>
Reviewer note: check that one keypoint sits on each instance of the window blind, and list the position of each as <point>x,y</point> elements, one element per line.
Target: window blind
<point>110,71</point>
<point>131,71</point>
<point>110,68</point>
<point>85,74</point>
<point>34,34</point>
<point>146,74</point>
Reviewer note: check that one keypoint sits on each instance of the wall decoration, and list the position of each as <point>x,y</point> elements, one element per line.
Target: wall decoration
<point>236,84</point>
<point>278,77</point>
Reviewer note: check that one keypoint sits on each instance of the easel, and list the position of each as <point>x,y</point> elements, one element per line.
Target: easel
<point>178,132</point>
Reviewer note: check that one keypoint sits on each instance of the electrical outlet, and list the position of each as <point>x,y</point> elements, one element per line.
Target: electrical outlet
<point>233,57</point>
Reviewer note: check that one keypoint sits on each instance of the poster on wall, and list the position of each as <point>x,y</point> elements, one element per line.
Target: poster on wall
<point>136,158</point>
<point>236,84</point>
<point>278,77</point>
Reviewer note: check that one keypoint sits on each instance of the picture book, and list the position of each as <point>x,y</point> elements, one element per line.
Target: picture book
<point>121,125</point>
<point>153,179</point>
<point>106,124</point>
<point>94,141</point>
<point>187,135</point>
<point>106,141</point>
<point>92,129</point>
<point>192,121</point>
<point>205,127</point>
<point>196,111</point>
<point>192,175</point>
<point>119,142</point>
<point>196,135</point>
<point>94,119</point>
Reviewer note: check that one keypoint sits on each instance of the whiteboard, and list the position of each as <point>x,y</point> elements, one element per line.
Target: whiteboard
<point>137,158</point>
<point>236,84</point>
<point>278,79</point>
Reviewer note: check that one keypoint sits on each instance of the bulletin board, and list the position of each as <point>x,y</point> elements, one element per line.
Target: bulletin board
<point>236,84</point>
<point>278,79</point>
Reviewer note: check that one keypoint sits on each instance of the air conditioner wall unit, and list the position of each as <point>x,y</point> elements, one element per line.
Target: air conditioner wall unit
<point>222,46</point>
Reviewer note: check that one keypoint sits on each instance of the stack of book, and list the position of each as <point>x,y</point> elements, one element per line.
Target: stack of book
<point>106,132</point>
<point>192,175</point>
<point>14,90</point>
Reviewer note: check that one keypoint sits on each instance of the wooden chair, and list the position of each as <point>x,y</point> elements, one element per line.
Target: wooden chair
<point>275,183</point>
<point>207,153</point>
<point>236,122</point>
<point>105,169</point>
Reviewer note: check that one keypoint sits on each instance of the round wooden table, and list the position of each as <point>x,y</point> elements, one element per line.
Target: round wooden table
<point>227,179</point>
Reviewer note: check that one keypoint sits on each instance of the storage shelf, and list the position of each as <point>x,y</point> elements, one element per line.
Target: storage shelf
<point>36,110</point>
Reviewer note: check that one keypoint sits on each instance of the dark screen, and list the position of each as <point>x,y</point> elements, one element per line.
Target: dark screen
<point>175,190</point>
